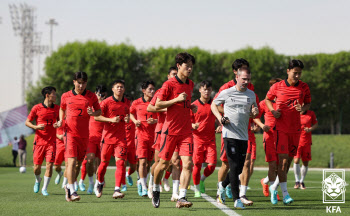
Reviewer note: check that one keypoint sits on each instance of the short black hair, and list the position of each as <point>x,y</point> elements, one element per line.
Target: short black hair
<point>145,84</point>
<point>184,57</point>
<point>118,81</point>
<point>238,63</point>
<point>171,69</point>
<point>206,83</point>
<point>80,75</point>
<point>295,63</point>
<point>47,90</point>
<point>101,88</point>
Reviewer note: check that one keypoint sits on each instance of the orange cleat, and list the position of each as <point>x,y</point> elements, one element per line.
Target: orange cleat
<point>265,188</point>
<point>278,197</point>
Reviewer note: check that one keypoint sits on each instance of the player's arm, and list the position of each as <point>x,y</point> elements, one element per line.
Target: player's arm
<point>306,107</point>
<point>275,113</point>
<point>312,128</point>
<point>59,136</point>
<point>133,119</point>
<point>95,113</point>
<point>165,104</point>
<point>33,126</point>
<point>264,127</point>
<point>101,118</point>
<point>151,108</point>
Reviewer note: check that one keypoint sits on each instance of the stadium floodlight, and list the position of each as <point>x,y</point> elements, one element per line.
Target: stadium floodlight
<point>51,23</point>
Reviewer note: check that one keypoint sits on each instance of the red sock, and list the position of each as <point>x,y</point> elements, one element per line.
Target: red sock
<point>196,173</point>
<point>209,170</point>
<point>102,171</point>
<point>167,175</point>
<point>119,172</point>
<point>83,170</point>
<point>130,171</point>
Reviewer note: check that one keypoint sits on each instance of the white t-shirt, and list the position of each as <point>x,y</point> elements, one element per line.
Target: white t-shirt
<point>15,145</point>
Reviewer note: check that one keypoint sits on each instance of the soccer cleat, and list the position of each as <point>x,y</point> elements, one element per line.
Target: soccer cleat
<point>117,194</point>
<point>174,197</point>
<point>297,185</point>
<point>273,193</point>
<point>156,199</point>
<point>76,186</point>
<point>197,194</point>
<point>302,186</point>
<point>68,196</point>
<point>265,187</point>
<point>99,190</point>
<point>36,187</point>
<point>129,180</point>
<point>44,192</point>
<point>287,200</point>
<point>228,191</point>
<point>144,192</point>
<point>221,195</point>
<point>182,202</point>
<point>58,179</point>
<point>166,184</point>
<point>245,201</point>
<point>74,197</point>
<point>150,192</point>
<point>238,204</point>
<point>201,187</point>
<point>188,187</point>
<point>82,186</point>
<point>139,189</point>
<point>124,188</point>
<point>90,189</point>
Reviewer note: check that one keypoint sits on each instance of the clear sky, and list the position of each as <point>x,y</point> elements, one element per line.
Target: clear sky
<point>289,27</point>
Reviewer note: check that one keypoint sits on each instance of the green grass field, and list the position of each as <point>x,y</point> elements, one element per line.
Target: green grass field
<point>322,146</point>
<point>17,198</point>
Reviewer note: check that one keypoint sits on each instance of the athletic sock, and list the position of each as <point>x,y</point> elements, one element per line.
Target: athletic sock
<point>156,187</point>
<point>81,181</point>
<point>176,184</point>
<point>91,180</point>
<point>243,190</point>
<point>37,179</point>
<point>207,172</point>
<point>65,180</point>
<point>275,184</point>
<point>266,180</point>
<point>297,172</point>
<point>183,193</point>
<point>117,188</point>
<point>303,172</point>
<point>46,182</point>
<point>151,179</point>
<point>71,188</point>
<point>167,174</point>
<point>284,189</point>
<point>196,188</point>
<point>203,177</point>
<point>143,183</point>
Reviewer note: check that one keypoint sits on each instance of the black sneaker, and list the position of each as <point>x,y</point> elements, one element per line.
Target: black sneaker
<point>99,190</point>
<point>302,186</point>
<point>182,202</point>
<point>156,199</point>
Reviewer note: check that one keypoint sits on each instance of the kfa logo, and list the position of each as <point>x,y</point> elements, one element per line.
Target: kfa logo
<point>333,186</point>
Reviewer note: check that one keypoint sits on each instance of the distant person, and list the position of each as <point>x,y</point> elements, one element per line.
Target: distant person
<point>14,150</point>
<point>22,145</point>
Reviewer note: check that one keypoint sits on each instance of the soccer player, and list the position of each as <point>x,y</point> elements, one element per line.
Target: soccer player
<point>309,123</point>
<point>115,113</point>
<point>159,132</point>
<point>204,142</point>
<point>175,95</point>
<point>237,64</point>
<point>77,105</point>
<point>239,105</point>
<point>60,149</point>
<point>93,152</point>
<point>289,94</point>
<point>45,114</point>
<point>145,123</point>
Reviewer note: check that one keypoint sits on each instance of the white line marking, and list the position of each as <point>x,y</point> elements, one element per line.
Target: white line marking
<point>220,206</point>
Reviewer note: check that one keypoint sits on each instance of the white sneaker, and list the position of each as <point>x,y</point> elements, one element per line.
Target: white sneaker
<point>238,204</point>
<point>166,184</point>
<point>174,197</point>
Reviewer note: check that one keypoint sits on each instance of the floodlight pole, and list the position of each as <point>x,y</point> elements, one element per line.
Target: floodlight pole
<point>51,23</point>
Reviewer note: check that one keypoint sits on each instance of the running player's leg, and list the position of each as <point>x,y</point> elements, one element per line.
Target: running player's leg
<point>296,168</point>
<point>306,157</point>
<point>83,174</point>
<point>151,179</point>
<point>38,157</point>
<point>176,171</point>
<point>244,178</point>
<point>198,159</point>
<point>90,167</point>
<point>106,153</point>
<point>120,151</point>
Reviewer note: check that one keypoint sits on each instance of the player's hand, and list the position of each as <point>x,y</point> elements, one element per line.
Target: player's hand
<point>127,118</point>
<point>40,127</point>
<point>218,129</point>
<point>55,125</point>
<point>276,113</point>
<point>254,112</point>
<point>307,130</point>
<point>60,137</point>
<point>115,120</point>
<point>181,97</point>
<point>195,126</point>
<point>225,120</point>
<point>266,128</point>
<point>194,108</point>
<point>298,107</point>
<point>58,124</point>
<point>89,111</point>
<point>151,121</point>
<point>138,123</point>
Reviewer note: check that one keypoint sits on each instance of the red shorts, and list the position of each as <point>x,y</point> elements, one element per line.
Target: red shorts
<point>118,150</point>
<point>76,147</point>
<point>94,146</point>
<point>252,148</point>
<point>144,149</point>
<point>170,142</point>
<point>223,156</point>
<point>131,154</point>
<point>157,138</point>
<point>287,143</point>
<point>269,146</point>
<point>204,151</point>
<point>59,158</point>
<point>44,151</point>
<point>304,152</point>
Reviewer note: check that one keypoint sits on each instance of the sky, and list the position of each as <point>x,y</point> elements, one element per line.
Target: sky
<point>289,27</point>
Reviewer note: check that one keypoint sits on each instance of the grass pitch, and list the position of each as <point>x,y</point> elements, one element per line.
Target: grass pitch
<point>17,198</point>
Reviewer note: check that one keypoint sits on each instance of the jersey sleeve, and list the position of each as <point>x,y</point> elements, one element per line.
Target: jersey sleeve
<point>313,119</point>
<point>133,108</point>
<point>63,102</point>
<point>262,106</point>
<point>271,94</point>
<point>221,98</point>
<point>95,103</point>
<point>164,91</point>
<point>103,107</point>
<point>307,97</point>
<point>193,120</point>
<point>32,115</point>
<point>154,99</point>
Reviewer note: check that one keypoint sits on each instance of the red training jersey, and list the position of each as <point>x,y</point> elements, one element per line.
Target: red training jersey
<point>206,119</point>
<point>161,115</point>
<point>139,109</point>
<point>307,119</point>
<point>47,116</point>
<point>286,97</point>
<point>178,117</point>
<point>268,116</point>
<point>77,118</point>
<point>95,128</point>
